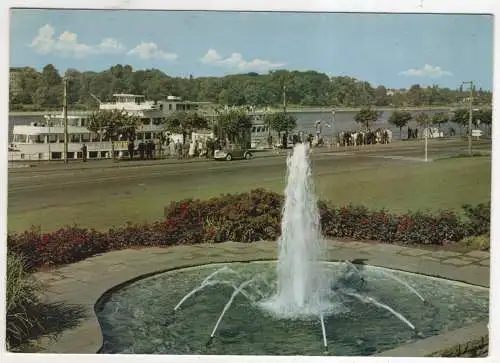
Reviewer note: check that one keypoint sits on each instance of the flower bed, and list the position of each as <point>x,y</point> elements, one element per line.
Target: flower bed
<point>247,217</point>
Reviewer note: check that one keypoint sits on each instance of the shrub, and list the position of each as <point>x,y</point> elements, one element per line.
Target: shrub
<point>66,245</point>
<point>22,300</point>
<point>246,217</point>
<point>479,217</point>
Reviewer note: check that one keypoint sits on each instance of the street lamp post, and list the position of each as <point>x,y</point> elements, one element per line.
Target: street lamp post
<point>471,86</point>
<point>334,138</point>
<point>426,137</point>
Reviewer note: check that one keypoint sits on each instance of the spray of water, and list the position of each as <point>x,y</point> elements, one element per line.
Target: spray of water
<point>301,283</point>
<point>370,300</point>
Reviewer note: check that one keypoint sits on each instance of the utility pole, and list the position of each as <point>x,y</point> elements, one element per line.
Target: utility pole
<point>284,99</point>
<point>284,109</point>
<point>471,87</point>
<point>65,115</point>
<point>426,136</point>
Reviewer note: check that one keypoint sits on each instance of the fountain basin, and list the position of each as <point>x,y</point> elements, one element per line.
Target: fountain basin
<point>139,318</point>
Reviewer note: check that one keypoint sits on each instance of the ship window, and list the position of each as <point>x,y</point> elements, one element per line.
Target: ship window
<point>52,138</point>
<point>37,139</point>
<point>75,137</point>
<point>22,156</point>
<point>147,135</point>
<point>170,107</point>
<point>82,122</point>
<point>146,121</point>
<point>92,154</point>
<point>40,156</point>
<point>86,137</point>
<point>19,138</point>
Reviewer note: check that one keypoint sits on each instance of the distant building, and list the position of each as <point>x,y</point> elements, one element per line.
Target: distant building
<point>393,91</point>
<point>15,85</point>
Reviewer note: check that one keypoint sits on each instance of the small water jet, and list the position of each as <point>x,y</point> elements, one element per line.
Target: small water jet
<point>411,288</point>
<point>391,276</point>
<point>228,304</point>
<point>323,332</point>
<point>370,300</point>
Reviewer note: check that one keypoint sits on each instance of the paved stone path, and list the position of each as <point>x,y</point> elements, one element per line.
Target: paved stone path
<point>83,283</point>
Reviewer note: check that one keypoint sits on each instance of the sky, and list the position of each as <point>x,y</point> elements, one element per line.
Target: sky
<point>394,50</point>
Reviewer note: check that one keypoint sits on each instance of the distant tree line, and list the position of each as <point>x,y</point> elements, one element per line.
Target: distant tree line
<point>43,90</point>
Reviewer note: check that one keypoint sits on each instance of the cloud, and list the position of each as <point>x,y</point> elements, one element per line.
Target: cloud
<point>235,60</point>
<point>151,51</point>
<point>67,44</point>
<point>426,71</point>
<point>111,46</point>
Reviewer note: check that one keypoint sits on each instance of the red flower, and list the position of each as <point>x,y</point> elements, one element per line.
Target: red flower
<point>45,238</point>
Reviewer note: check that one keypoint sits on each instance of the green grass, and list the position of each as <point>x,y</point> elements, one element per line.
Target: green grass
<point>444,184</point>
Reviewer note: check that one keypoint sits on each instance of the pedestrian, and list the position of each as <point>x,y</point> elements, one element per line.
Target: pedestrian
<point>270,141</point>
<point>141,148</point>
<point>84,153</point>
<point>210,148</point>
<point>130,147</point>
<point>284,140</point>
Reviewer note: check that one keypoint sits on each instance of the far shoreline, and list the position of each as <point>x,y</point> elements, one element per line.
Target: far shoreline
<point>302,109</point>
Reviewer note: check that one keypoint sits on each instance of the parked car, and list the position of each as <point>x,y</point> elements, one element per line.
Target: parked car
<point>232,152</point>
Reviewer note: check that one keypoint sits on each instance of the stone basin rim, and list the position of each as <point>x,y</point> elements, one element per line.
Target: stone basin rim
<point>479,330</point>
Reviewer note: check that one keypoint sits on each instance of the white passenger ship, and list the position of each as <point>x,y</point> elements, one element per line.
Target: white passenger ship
<point>44,140</point>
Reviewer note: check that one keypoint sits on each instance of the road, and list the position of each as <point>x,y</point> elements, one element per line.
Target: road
<point>46,188</point>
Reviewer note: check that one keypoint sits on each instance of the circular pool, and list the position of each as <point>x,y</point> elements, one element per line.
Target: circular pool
<point>371,311</point>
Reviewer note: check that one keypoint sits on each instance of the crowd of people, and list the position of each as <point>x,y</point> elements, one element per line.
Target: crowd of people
<point>174,148</point>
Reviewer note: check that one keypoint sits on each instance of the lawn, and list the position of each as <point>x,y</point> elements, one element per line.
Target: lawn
<point>443,184</point>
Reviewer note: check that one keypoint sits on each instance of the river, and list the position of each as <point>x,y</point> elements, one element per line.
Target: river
<point>342,121</point>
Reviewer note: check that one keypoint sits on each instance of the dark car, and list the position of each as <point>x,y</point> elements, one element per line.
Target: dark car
<point>232,152</point>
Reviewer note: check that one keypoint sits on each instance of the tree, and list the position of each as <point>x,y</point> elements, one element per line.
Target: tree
<point>485,116</point>
<point>367,116</point>
<point>415,95</point>
<point>307,88</point>
<point>381,98</point>
<point>234,125</point>
<point>111,123</point>
<point>422,119</point>
<point>439,119</point>
<point>400,119</point>
<point>281,122</point>
<point>461,118</point>
<point>183,122</point>
<point>50,76</point>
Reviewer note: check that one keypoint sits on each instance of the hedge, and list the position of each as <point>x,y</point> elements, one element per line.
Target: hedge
<point>247,217</point>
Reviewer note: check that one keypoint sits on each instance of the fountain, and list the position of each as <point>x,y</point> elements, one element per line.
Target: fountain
<point>301,299</point>
<point>302,286</point>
